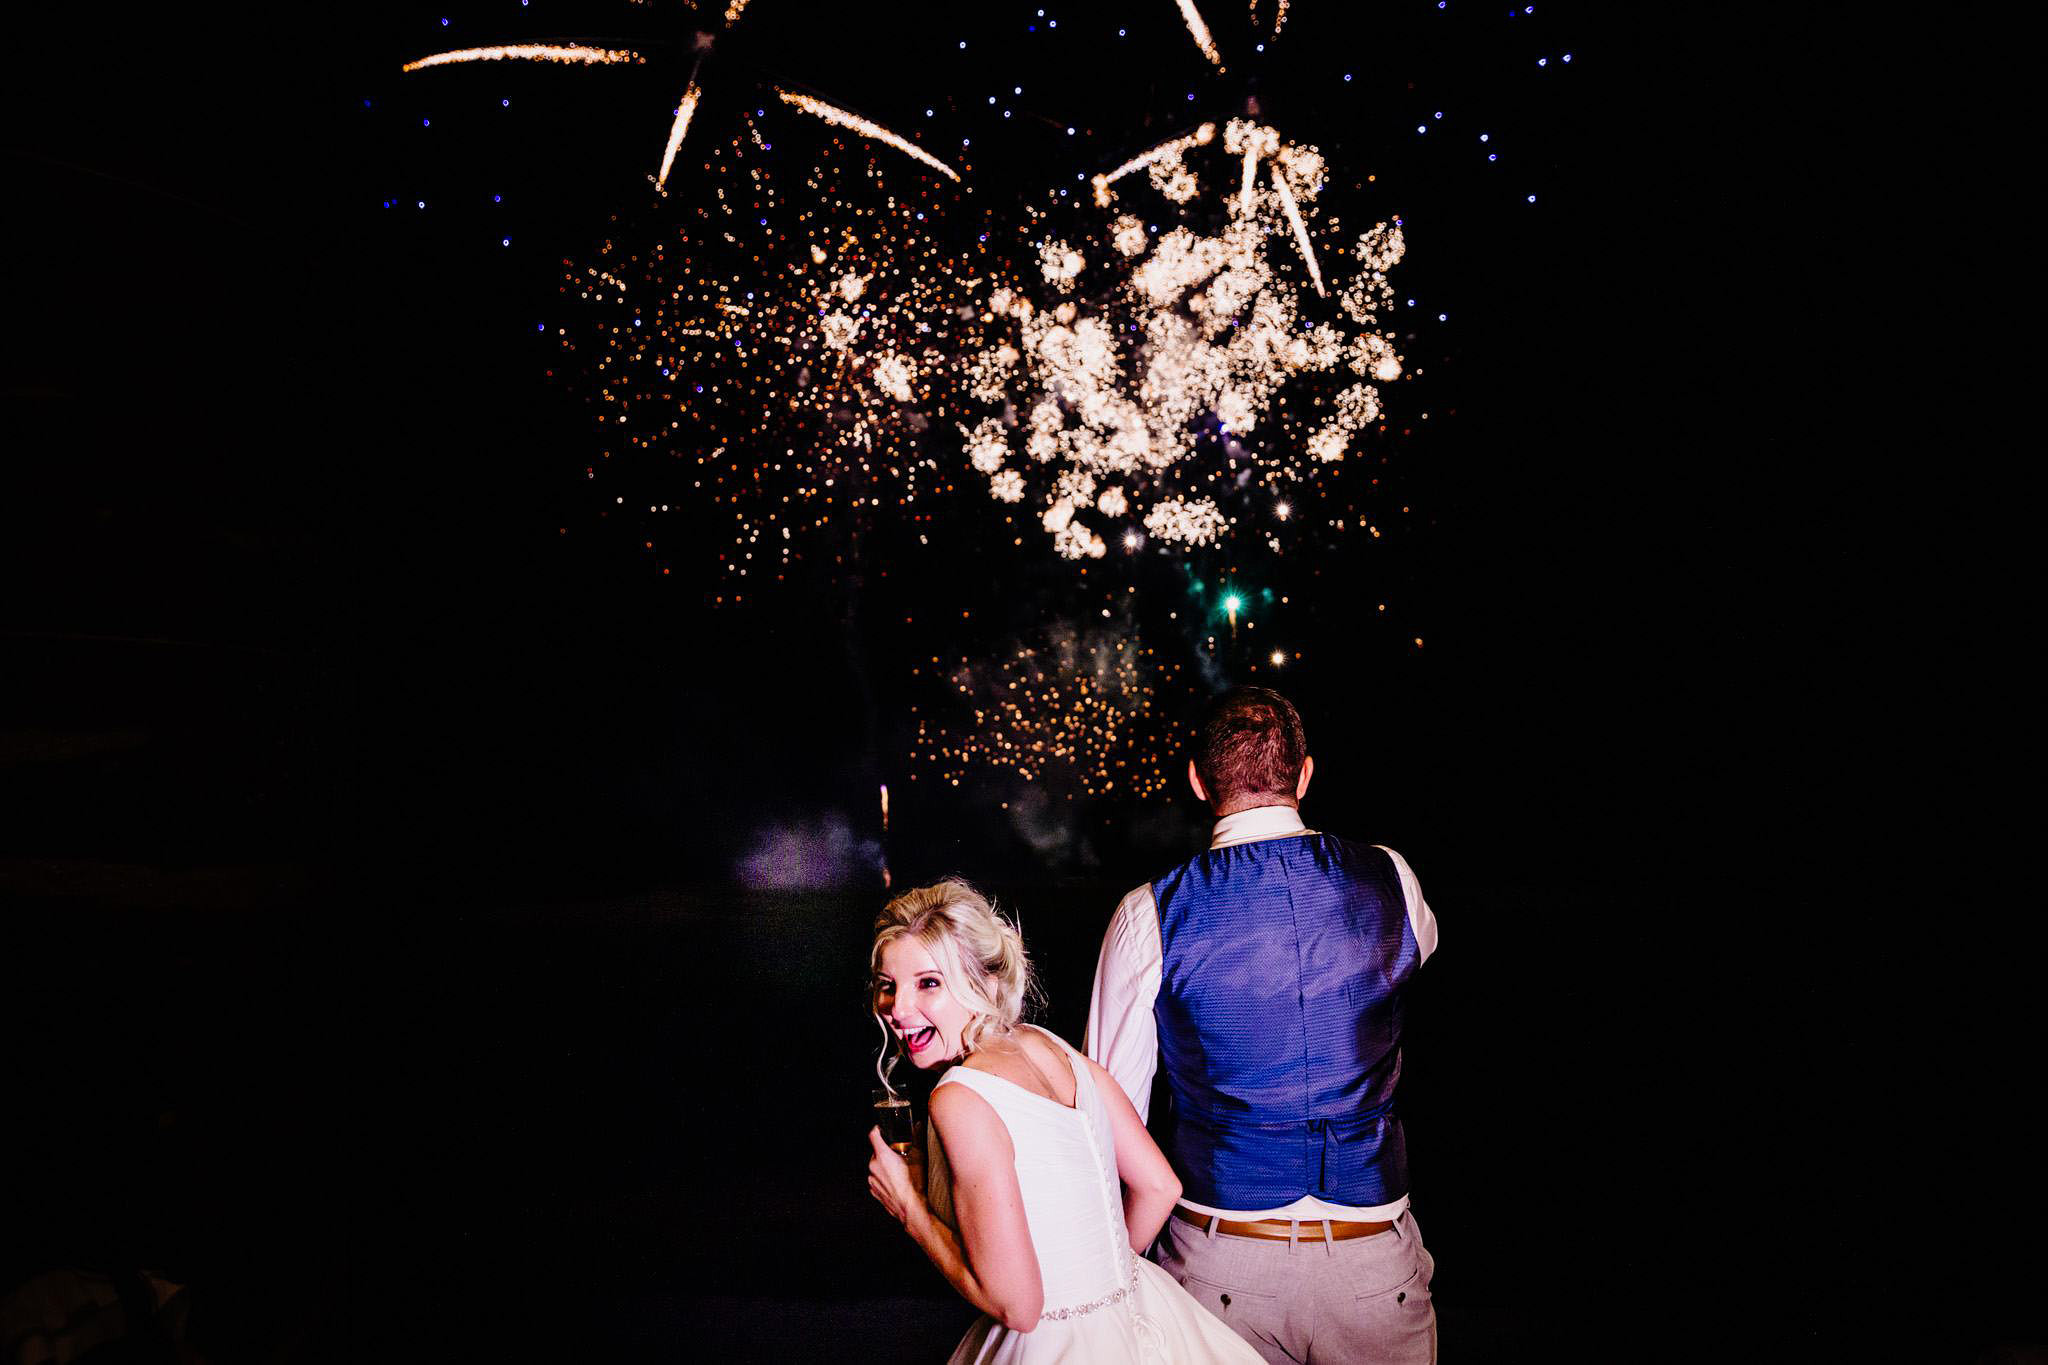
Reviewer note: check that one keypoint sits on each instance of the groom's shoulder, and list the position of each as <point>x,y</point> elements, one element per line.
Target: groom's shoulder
<point>1142,900</point>
<point>1383,861</point>
<point>1356,847</point>
<point>1166,876</point>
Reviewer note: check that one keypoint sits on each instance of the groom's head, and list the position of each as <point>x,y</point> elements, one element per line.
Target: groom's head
<point>1250,752</point>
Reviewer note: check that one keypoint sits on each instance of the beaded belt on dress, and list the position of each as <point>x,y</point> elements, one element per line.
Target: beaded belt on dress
<point>1082,1310</point>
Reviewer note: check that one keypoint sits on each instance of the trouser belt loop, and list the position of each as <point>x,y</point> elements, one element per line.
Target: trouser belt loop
<point>1293,1236</point>
<point>1214,1219</point>
<point>1329,1239</point>
<point>1396,1229</point>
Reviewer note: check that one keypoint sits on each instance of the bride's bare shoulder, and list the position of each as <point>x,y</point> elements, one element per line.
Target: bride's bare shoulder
<point>1046,1039</point>
<point>963,1114</point>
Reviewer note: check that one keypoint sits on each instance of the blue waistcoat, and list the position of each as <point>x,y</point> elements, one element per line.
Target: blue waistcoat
<point>1285,965</point>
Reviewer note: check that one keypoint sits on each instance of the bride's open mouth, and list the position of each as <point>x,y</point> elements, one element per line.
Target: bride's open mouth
<point>920,1040</point>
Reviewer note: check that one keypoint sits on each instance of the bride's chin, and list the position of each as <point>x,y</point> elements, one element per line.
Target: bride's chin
<point>934,1054</point>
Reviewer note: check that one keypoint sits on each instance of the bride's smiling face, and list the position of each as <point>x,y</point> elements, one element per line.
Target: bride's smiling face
<point>911,996</point>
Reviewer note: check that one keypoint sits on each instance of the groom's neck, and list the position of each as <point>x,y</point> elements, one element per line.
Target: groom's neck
<point>1251,801</point>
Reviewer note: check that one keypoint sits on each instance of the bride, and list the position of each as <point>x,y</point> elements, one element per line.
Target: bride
<point>1044,1188</point>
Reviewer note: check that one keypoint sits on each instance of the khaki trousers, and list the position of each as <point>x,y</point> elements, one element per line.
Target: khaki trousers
<point>1313,1302</point>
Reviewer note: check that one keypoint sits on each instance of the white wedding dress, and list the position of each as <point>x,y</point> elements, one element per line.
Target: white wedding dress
<point>1102,1303</point>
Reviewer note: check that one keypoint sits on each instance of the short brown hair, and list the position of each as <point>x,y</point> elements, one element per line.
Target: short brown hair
<point>1251,744</point>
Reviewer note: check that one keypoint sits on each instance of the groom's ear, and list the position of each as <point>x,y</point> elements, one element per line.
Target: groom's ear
<point>1195,781</point>
<point>1308,770</point>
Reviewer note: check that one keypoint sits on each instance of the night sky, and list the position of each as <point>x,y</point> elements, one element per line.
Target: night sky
<point>321,426</point>
<point>320,618</point>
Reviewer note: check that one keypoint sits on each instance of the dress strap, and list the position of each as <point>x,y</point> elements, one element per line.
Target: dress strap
<point>1075,1062</point>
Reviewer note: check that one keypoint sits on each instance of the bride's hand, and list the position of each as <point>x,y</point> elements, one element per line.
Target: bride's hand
<point>890,1179</point>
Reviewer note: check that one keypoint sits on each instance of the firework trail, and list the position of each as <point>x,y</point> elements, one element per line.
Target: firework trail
<point>845,119</point>
<point>679,129</point>
<point>1308,252</point>
<point>572,55</point>
<point>1199,31</point>
<point>1165,151</point>
<point>595,56</point>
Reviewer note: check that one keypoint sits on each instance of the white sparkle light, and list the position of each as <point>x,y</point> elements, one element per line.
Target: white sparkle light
<point>1195,522</point>
<point>1201,137</point>
<point>1130,237</point>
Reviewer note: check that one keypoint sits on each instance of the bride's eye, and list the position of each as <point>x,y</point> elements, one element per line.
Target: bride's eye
<point>929,983</point>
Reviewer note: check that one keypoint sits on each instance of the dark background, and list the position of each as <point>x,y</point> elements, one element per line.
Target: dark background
<point>375,955</point>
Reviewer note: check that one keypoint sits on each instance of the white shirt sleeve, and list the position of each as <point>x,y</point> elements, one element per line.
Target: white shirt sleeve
<point>1122,1036</point>
<point>1419,917</point>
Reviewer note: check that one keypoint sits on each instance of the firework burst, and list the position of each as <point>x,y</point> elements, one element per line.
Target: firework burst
<point>1164,385</point>
<point>787,357</point>
<point>1077,711</point>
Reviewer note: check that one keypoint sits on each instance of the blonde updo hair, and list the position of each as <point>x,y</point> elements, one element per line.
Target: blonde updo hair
<point>980,954</point>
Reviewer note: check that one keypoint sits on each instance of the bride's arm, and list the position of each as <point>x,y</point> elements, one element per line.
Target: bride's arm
<point>991,1261</point>
<point>1150,1187</point>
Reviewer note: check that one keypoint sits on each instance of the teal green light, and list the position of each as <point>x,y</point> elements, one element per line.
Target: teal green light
<point>1233,603</point>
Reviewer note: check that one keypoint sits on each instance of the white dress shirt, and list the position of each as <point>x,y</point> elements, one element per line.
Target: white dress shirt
<point>1123,1036</point>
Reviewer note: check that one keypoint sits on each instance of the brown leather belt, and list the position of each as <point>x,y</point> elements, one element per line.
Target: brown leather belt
<point>1281,1229</point>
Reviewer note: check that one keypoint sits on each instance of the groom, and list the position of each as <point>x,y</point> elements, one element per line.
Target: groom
<point>1268,974</point>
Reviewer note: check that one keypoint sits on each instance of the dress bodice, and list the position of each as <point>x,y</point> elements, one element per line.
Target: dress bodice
<point>1066,1172</point>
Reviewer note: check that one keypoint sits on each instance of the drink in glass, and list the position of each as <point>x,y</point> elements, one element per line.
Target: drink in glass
<point>892,1116</point>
